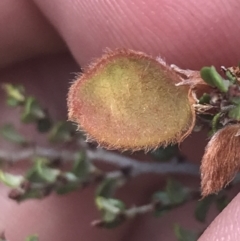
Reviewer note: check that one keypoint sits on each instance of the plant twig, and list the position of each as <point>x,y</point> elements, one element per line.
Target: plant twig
<point>132,212</point>
<point>104,156</point>
<point>144,167</point>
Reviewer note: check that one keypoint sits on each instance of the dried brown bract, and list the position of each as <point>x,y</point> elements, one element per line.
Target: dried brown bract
<point>221,160</point>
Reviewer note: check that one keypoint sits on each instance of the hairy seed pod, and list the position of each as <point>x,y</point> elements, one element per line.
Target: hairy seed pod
<point>221,160</point>
<point>127,100</point>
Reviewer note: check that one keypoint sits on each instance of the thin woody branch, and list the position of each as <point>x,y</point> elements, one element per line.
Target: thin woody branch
<point>104,156</point>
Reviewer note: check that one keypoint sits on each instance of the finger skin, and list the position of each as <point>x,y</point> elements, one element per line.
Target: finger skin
<point>25,33</point>
<point>227,224</point>
<point>188,33</point>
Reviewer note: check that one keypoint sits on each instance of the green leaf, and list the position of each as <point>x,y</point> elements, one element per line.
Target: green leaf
<point>41,172</point>
<point>163,203</point>
<point>72,184</point>
<point>176,192</point>
<point>215,122</point>
<point>205,99</point>
<point>10,179</point>
<point>48,174</point>
<point>221,202</point>
<point>14,92</point>
<point>203,207</point>
<point>32,111</point>
<point>164,154</point>
<point>81,167</point>
<point>9,133</point>
<point>235,113</point>
<point>12,102</point>
<point>231,76</point>
<point>213,78</point>
<point>70,187</point>
<point>61,132</point>
<point>106,188</point>
<point>32,238</point>
<point>37,193</point>
<point>184,234</point>
<point>162,197</point>
<point>110,208</point>
<point>110,204</point>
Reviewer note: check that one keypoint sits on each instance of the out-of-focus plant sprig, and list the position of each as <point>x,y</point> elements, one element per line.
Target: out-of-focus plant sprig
<point>46,175</point>
<point>41,179</point>
<point>114,211</point>
<point>32,112</point>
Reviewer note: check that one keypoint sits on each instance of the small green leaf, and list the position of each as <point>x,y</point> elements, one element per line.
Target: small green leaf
<point>213,78</point>
<point>162,197</point>
<point>48,174</point>
<point>110,209</point>
<point>184,234</point>
<point>41,172</point>
<point>12,102</point>
<point>110,204</point>
<point>32,238</point>
<point>9,133</point>
<point>221,202</point>
<point>32,111</point>
<point>33,175</point>
<point>106,188</point>
<point>72,184</point>
<point>215,122</point>
<point>70,187</point>
<point>61,132</point>
<point>231,76</point>
<point>71,177</point>
<point>176,192</point>
<point>15,92</point>
<point>235,113</point>
<point>10,179</point>
<point>81,167</point>
<point>203,207</point>
<point>205,99</point>
<point>163,201</point>
<point>37,193</point>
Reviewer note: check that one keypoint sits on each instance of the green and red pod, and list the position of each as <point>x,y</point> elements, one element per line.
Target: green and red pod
<point>128,100</point>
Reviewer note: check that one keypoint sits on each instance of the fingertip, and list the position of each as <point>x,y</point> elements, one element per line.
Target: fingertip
<point>227,224</point>
<point>190,34</point>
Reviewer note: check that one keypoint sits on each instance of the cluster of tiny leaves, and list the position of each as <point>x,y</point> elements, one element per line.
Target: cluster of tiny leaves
<point>224,97</point>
